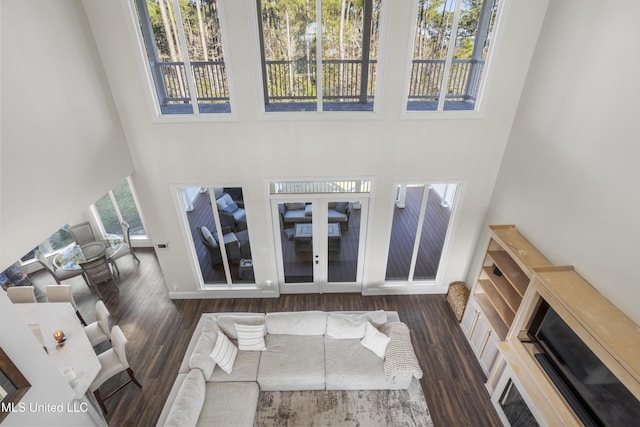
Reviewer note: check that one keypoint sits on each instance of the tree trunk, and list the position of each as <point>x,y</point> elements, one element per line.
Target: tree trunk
<point>343,8</point>
<point>203,31</point>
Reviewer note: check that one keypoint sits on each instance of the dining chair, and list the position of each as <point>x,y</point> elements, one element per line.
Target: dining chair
<point>59,274</point>
<point>22,294</point>
<point>98,331</point>
<point>62,293</point>
<point>125,247</point>
<point>112,361</point>
<point>82,233</point>
<point>97,271</point>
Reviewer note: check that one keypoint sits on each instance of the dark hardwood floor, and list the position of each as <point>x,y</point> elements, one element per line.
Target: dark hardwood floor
<point>159,329</point>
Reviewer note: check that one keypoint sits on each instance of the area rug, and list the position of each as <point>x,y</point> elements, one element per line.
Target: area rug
<point>344,408</point>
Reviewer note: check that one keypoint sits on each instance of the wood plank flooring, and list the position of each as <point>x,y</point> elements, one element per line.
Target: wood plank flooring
<point>159,329</point>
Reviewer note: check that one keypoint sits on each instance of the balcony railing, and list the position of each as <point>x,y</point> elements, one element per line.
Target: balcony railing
<point>295,81</point>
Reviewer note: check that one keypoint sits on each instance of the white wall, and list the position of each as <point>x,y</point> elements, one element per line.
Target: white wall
<point>62,142</point>
<point>570,176</point>
<point>250,151</point>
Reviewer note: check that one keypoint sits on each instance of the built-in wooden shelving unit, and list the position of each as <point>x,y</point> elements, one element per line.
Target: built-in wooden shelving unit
<point>505,275</point>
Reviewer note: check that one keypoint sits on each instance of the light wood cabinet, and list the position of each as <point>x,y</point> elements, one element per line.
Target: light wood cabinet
<point>481,337</point>
<point>497,293</point>
<point>504,276</point>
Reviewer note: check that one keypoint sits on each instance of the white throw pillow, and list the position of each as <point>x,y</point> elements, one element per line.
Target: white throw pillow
<point>224,353</point>
<point>251,337</point>
<point>375,340</point>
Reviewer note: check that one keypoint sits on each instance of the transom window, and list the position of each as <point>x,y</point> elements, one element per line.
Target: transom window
<point>451,42</point>
<point>184,46</point>
<point>298,38</point>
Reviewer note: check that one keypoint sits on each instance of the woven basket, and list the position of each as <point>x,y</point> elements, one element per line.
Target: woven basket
<point>457,297</point>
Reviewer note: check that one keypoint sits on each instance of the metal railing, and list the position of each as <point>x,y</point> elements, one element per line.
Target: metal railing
<point>291,81</point>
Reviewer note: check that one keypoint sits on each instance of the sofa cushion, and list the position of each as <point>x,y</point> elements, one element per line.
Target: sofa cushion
<point>350,366</point>
<point>294,206</point>
<point>251,337</point>
<point>335,216</point>
<point>350,326</point>
<point>230,404</point>
<point>245,368</point>
<point>292,362</point>
<point>224,353</point>
<point>375,340</point>
<point>227,322</point>
<point>342,207</point>
<point>294,216</point>
<point>189,400</point>
<point>230,208</point>
<point>199,358</point>
<point>297,323</point>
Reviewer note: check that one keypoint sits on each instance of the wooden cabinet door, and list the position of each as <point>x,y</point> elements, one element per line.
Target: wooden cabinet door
<point>479,336</point>
<point>469,319</point>
<point>489,353</point>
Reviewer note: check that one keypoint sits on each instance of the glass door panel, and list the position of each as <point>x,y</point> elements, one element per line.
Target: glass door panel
<point>320,245</point>
<point>422,211</point>
<point>434,230</point>
<point>406,215</point>
<point>343,241</point>
<point>296,239</point>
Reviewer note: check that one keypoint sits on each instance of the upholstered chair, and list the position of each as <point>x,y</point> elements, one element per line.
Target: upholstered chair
<point>97,271</point>
<point>211,242</point>
<point>21,294</point>
<point>112,361</point>
<point>98,331</point>
<point>58,274</point>
<point>82,233</point>
<point>62,293</point>
<point>124,249</point>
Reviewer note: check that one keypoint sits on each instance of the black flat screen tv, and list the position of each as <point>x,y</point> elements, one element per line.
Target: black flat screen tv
<point>594,393</point>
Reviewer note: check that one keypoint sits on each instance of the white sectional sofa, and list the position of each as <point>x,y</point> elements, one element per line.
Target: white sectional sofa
<point>308,350</point>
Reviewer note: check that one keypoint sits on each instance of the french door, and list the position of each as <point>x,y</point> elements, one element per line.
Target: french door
<point>320,242</point>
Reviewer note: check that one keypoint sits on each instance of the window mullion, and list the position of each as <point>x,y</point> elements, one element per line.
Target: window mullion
<point>185,58</point>
<point>416,243</point>
<point>319,55</point>
<point>116,208</point>
<point>448,62</point>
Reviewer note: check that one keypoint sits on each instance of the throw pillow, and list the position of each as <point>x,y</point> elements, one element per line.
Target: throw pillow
<point>208,236</point>
<point>251,337</point>
<point>342,207</point>
<point>375,340</point>
<point>230,208</point>
<point>224,353</point>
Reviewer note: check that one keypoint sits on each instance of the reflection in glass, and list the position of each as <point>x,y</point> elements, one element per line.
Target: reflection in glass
<point>296,236</point>
<point>214,244</point>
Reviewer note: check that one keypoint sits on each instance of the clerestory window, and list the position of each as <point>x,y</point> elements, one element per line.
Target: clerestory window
<point>452,39</point>
<point>338,37</point>
<point>184,46</point>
